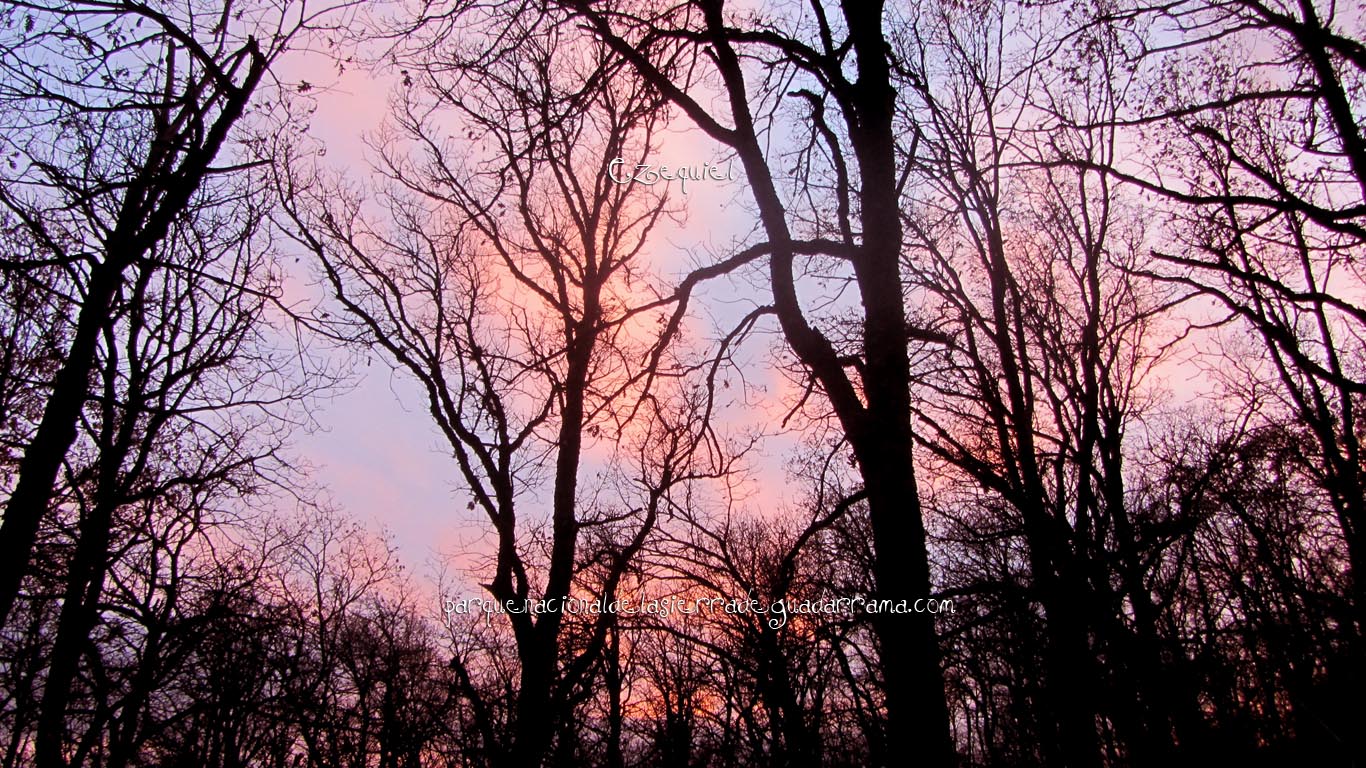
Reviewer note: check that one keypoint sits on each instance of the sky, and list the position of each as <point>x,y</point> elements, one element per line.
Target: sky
<point>378,454</point>
<point>380,457</point>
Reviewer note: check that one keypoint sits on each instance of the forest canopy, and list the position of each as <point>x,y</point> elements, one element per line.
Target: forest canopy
<point>806,384</point>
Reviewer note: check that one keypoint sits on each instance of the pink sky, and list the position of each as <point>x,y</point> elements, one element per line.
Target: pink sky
<point>380,457</point>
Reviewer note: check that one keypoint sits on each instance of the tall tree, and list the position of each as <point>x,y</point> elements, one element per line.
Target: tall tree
<point>1256,109</point>
<point>119,116</point>
<point>191,409</point>
<point>511,285</point>
<point>826,78</point>
<point>1046,342</point>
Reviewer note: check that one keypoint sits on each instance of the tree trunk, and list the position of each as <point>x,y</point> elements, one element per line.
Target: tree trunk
<point>56,432</point>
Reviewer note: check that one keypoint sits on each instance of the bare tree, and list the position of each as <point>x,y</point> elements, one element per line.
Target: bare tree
<point>831,74</point>
<point>1263,165</point>
<point>119,115</point>
<point>193,404</point>
<point>511,286</point>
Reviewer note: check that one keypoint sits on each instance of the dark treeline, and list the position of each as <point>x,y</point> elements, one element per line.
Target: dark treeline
<point>1065,302</point>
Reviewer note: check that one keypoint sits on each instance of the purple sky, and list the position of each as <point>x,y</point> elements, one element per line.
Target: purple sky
<point>379,456</point>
